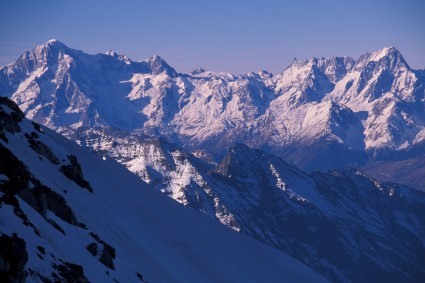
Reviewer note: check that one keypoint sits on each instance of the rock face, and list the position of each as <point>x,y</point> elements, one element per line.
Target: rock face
<point>74,173</point>
<point>69,272</point>
<point>52,229</point>
<point>13,257</point>
<point>317,114</point>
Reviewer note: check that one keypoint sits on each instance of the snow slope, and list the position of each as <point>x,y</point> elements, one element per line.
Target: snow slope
<point>80,218</point>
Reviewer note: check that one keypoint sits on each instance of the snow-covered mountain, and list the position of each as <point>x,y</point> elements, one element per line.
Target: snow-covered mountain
<point>66,215</point>
<point>338,223</point>
<point>317,114</point>
<point>182,134</point>
<point>343,224</point>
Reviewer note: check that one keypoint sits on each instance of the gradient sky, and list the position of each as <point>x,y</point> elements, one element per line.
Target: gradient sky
<point>220,35</point>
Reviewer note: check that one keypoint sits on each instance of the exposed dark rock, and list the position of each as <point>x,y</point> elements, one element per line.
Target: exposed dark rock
<point>39,197</point>
<point>92,248</point>
<point>36,274</point>
<point>15,170</point>
<point>108,253</point>
<point>56,225</point>
<point>41,250</point>
<point>2,136</point>
<point>37,127</point>
<point>140,276</point>
<point>69,273</point>
<point>41,148</point>
<point>18,178</point>
<point>42,198</point>
<point>108,256</point>
<point>13,257</point>
<point>9,123</point>
<point>73,172</point>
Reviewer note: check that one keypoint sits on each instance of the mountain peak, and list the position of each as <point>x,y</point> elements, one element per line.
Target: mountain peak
<point>53,43</point>
<point>389,56</point>
<point>241,160</point>
<point>197,71</point>
<point>156,57</point>
<point>384,52</point>
<point>51,46</point>
<point>158,65</point>
<point>120,56</point>
<point>157,60</point>
<point>47,53</point>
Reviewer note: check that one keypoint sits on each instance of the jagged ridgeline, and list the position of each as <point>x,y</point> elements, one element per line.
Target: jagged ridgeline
<point>322,114</point>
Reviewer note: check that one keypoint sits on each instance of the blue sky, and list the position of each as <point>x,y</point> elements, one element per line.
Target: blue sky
<point>233,36</point>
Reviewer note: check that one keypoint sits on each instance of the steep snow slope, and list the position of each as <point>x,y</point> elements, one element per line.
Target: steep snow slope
<point>74,217</point>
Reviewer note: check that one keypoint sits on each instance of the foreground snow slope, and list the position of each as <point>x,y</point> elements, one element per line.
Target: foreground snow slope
<point>82,218</point>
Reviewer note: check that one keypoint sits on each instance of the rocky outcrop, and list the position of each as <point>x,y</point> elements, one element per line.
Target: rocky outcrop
<point>73,172</point>
<point>108,253</point>
<point>21,183</point>
<point>41,148</point>
<point>13,257</point>
<point>69,273</point>
<point>10,116</point>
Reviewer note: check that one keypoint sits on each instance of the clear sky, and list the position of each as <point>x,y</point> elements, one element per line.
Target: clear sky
<point>219,35</point>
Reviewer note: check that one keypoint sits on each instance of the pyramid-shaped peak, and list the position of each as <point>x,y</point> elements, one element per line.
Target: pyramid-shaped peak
<point>391,53</point>
<point>158,65</point>
<point>48,52</point>
<point>156,58</point>
<point>387,56</point>
<point>51,46</point>
<point>197,71</point>
<point>240,158</point>
<point>385,52</point>
<point>54,43</point>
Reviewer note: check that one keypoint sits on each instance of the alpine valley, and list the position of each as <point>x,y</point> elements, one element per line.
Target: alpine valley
<point>227,146</point>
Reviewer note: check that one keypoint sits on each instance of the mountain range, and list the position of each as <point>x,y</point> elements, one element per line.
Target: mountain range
<point>317,114</point>
<point>217,142</point>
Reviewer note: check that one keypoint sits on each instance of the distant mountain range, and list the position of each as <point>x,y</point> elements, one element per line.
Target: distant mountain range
<point>317,114</point>
<point>216,142</point>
